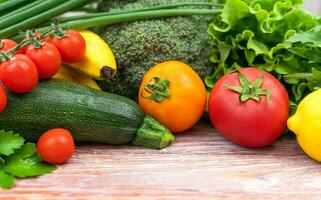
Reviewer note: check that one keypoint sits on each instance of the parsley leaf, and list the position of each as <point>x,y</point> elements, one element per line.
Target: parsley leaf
<point>26,162</point>
<point>6,180</point>
<point>19,160</point>
<point>9,142</point>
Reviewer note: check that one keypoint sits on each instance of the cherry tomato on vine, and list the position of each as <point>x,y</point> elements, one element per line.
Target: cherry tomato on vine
<point>249,107</point>
<point>72,46</point>
<point>43,40</point>
<point>7,44</point>
<point>56,146</point>
<point>3,99</point>
<point>19,74</point>
<point>47,59</point>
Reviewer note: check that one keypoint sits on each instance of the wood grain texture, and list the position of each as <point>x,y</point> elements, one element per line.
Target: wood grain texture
<point>200,165</point>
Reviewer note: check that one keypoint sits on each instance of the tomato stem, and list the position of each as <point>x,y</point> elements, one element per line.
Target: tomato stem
<point>58,31</point>
<point>3,56</point>
<point>158,89</point>
<point>31,38</point>
<point>250,90</point>
<point>1,44</point>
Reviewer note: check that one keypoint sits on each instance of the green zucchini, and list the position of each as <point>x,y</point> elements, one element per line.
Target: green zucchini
<point>89,114</point>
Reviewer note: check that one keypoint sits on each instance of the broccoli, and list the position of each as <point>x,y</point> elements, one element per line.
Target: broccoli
<point>140,45</point>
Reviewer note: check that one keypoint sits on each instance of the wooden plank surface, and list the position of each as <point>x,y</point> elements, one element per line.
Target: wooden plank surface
<point>200,165</point>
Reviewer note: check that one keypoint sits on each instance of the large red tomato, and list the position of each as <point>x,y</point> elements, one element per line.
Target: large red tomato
<point>249,107</point>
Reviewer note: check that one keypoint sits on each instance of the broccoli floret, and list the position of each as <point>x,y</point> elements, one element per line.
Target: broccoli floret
<point>140,45</point>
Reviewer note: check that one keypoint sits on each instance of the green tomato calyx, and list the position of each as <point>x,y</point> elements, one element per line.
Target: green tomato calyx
<point>158,89</point>
<point>250,90</point>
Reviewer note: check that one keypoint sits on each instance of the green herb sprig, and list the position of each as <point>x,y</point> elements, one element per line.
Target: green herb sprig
<point>19,159</point>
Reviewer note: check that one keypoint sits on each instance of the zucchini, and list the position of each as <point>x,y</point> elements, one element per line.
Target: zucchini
<point>89,114</point>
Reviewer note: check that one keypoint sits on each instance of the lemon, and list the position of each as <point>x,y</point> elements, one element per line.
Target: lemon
<point>306,124</point>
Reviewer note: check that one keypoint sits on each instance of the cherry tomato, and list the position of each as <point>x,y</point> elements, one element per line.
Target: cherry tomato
<point>46,39</point>
<point>19,74</point>
<point>249,107</point>
<point>56,146</point>
<point>7,44</point>
<point>3,99</point>
<point>47,59</point>
<point>72,46</point>
<point>174,94</point>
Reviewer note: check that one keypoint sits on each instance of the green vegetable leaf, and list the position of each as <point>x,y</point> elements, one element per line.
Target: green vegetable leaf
<point>278,36</point>
<point>26,162</point>
<point>2,162</point>
<point>9,142</point>
<point>6,180</point>
<point>307,37</point>
<point>233,11</point>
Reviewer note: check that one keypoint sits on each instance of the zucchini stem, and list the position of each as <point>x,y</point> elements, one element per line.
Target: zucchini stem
<point>153,135</point>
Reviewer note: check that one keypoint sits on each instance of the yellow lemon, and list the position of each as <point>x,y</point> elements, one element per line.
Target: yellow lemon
<point>306,124</point>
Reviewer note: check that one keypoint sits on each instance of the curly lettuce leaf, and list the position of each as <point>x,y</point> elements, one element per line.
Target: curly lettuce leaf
<point>274,35</point>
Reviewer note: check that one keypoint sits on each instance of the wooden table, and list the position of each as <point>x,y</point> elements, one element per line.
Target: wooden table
<point>201,164</point>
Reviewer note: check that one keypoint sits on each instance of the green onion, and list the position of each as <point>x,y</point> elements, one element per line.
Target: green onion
<point>8,14</point>
<point>127,17</point>
<point>44,16</point>
<point>29,12</point>
<point>79,17</point>
<point>2,1</point>
<point>11,4</point>
<point>120,18</point>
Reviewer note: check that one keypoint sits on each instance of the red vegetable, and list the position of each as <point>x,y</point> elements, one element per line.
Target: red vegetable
<point>72,46</point>
<point>19,74</point>
<point>7,44</point>
<point>249,107</point>
<point>47,59</point>
<point>56,146</point>
<point>43,40</point>
<point>3,99</point>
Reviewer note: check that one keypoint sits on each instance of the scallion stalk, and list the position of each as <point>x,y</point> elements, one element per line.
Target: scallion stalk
<point>127,17</point>
<point>28,12</point>
<point>18,10</point>
<point>168,6</point>
<point>11,4</point>
<point>38,19</point>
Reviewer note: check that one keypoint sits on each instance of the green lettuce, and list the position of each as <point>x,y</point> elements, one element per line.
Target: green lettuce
<point>278,36</point>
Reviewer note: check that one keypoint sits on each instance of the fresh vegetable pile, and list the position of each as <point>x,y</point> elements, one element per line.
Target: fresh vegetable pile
<point>264,64</point>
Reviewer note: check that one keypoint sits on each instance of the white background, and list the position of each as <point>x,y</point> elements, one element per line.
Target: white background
<point>313,5</point>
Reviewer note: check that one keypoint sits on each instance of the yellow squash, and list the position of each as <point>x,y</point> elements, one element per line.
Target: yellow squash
<point>306,124</point>
<point>70,74</point>
<point>99,61</point>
